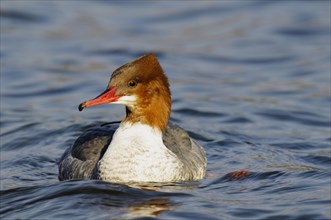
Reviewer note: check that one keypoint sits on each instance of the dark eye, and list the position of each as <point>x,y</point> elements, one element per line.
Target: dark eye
<point>132,83</point>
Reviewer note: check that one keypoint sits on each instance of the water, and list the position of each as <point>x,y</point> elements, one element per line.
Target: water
<point>250,81</point>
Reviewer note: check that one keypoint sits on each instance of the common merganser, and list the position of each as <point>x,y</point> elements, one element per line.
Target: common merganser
<point>145,147</point>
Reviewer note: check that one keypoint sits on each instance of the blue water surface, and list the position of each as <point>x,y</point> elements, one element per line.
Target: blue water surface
<point>250,80</point>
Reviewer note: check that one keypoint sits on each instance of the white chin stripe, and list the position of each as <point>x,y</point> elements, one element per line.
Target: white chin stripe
<point>126,100</point>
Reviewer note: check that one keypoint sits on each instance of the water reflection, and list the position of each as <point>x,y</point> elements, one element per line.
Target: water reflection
<point>149,208</point>
<point>250,81</point>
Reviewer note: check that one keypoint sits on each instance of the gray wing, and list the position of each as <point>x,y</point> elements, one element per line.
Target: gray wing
<point>79,161</point>
<point>193,156</point>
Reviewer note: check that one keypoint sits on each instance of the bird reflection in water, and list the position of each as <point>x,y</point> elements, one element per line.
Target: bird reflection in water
<point>149,208</point>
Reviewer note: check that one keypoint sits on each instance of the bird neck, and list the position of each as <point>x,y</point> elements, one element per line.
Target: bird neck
<point>153,111</point>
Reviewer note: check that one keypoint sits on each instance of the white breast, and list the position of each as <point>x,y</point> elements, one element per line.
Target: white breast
<point>137,154</point>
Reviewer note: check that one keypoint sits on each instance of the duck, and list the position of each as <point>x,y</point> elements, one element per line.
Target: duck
<point>145,146</point>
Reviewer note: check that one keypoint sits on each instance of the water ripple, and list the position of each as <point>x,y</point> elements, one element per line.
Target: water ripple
<point>309,119</point>
<point>82,194</point>
<point>250,82</point>
<point>198,113</point>
<point>21,16</point>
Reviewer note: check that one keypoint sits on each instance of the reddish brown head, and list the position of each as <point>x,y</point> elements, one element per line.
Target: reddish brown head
<point>143,88</point>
